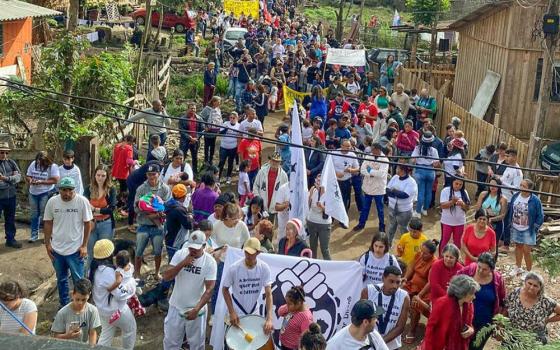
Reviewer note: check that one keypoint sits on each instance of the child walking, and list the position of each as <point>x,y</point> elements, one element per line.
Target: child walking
<point>243,187</point>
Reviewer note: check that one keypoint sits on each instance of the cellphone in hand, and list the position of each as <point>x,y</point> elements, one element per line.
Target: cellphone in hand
<point>75,325</point>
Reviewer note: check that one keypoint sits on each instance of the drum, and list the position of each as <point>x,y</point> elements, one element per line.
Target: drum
<point>253,325</point>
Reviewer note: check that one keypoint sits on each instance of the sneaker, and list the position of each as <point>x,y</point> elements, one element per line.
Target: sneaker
<point>228,180</point>
<point>358,228</point>
<point>424,212</point>
<point>32,240</point>
<point>416,215</point>
<point>13,244</point>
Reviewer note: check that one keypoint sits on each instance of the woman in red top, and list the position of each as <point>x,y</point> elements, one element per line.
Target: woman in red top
<point>450,324</point>
<point>442,271</point>
<point>297,318</point>
<point>123,161</point>
<point>250,149</point>
<point>417,285</point>
<point>478,238</point>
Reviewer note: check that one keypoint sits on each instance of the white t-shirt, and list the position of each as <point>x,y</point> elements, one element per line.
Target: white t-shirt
<point>189,282</point>
<point>451,162</point>
<point>103,278</point>
<point>232,236</point>
<point>128,280</point>
<point>408,186</point>
<point>343,340</point>
<point>520,215</point>
<point>342,162</point>
<point>68,222</point>
<point>246,124</point>
<point>432,153</point>
<point>512,177</point>
<point>36,174</point>
<point>229,140</point>
<point>374,268</point>
<point>170,172</point>
<point>400,296</point>
<point>246,285</point>
<point>454,216</point>
<point>354,87</point>
<point>74,173</point>
<point>243,178</point>
<point>283,195</point>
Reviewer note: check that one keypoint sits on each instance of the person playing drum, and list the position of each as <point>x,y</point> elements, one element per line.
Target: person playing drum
<point>194,271</point>
<point>243,284</point>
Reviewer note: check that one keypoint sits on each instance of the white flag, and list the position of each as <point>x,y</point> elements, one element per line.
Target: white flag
<point>331,290</point>
<point>396,18</point>
<point>334,206</point>
<point>298,172</point>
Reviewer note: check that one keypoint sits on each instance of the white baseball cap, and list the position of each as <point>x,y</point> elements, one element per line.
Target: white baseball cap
<point>196,240</point>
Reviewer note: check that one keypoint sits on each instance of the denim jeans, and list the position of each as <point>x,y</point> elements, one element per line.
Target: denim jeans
<point>345,189</point>
<point>239,88</point>
<point>8,206</point>
<point>145,234</point>
<point>102,230</point>
<point>37,203</point>
<point>425,180</point>
<point>358,194</point>
<point>231,87</point>
<point>63,263</point>
<point>367,206</point>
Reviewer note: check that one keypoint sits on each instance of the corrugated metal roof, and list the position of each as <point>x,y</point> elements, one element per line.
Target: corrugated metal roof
<point>15,9</point>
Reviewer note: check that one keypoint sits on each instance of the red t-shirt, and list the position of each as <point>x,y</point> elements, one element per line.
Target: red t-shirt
<point>296,324</point>
<point>122,159</point>
<point>321,134</point>
<point>477,246</point>
<point>272,175</point>
<point>250,150</point>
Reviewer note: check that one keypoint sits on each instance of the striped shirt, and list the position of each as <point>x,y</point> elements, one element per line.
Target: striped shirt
<point>7,322</point>
<point>293,326</point>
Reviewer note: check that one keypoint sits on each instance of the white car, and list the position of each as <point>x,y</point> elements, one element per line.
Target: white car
<point>231,35</point>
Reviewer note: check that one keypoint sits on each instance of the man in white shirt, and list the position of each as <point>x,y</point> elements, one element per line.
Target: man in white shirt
<point>251,121</point>
<point>395,301</point>
<point>511,177</point>
<point>375,170</point>
<point>243,283</point>
<point>157,120</point>
<point>345,167</point>
<point>361,332</point>
<point>282,208</point>
<point>67,225</point>
<point>194,271</point>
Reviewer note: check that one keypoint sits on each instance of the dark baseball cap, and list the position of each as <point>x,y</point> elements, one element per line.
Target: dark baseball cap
<point>153,168</point>
<point>366,310</point>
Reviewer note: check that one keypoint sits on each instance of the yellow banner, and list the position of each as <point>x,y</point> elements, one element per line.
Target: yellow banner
<point>290,95</point>
<point>238,7</point>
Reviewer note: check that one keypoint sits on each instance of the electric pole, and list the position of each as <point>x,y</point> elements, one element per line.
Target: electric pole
<point>551,40</point>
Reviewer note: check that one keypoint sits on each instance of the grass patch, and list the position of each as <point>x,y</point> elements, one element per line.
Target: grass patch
<point>189,87</point>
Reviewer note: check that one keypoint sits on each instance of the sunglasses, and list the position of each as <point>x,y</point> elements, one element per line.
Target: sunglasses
<point>4,152</point>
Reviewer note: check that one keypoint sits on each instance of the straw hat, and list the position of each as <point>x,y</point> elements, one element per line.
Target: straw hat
<point>103,249</point>
<point>4,146</point>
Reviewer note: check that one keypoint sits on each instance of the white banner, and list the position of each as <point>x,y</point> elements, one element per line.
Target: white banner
<point>331,288</point>
<point>299,205</point>
<point>346,57</point>
<point>334,205</point>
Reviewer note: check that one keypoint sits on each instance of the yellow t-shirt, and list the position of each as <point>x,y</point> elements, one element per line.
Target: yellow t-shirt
<point>410,246</point>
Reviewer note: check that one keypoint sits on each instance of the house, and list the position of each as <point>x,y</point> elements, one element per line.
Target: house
<point>507,39</point>
<point>16,26</point>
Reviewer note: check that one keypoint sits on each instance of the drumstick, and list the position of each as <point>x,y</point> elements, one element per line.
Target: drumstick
<point>248,337</point>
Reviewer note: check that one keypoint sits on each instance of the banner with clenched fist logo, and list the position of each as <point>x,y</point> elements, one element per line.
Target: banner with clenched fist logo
<point>331,288</point>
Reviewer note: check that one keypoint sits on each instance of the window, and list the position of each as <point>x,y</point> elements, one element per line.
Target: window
<point>555,91</point>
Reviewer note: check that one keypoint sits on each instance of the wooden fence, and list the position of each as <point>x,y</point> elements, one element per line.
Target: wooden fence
<point>478,132</point>
<point>441,74</point>
<point>154,85</point>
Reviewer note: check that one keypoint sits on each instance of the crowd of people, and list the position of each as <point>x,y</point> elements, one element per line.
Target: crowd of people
<point>385,149</point>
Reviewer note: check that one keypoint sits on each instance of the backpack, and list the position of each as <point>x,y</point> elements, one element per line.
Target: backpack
<point>366,255</point>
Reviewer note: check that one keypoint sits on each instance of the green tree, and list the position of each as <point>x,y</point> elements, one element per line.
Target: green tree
<point>65,68</point>
<point>427,12</point>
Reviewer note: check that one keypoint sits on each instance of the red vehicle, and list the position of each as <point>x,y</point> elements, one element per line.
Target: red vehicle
<point>170,19</point>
